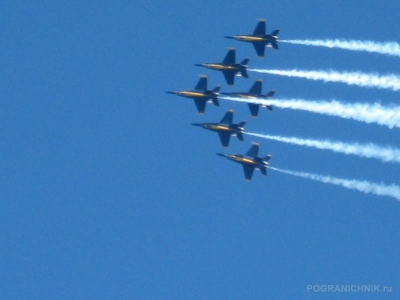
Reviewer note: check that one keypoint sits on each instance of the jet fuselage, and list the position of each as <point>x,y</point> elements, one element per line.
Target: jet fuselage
<point>221,67</point>
<point>217,127</point>
<point>196,94</point>
<point>249,96</point>
<point>241,159</point>
<point>254,38</point>
<point>245,95</point>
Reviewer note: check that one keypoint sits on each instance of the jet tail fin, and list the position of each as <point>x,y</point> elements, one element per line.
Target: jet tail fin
<point>239,135</point>
<point>275,45</point>
<point>215,101</point>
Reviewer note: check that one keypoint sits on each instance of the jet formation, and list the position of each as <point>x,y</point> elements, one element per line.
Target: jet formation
<point>230,68</point>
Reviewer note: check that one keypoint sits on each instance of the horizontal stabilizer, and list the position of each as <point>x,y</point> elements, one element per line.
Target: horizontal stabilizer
<point>275,32</point>
<point>215,102</point>
<point>239,135</point>
<point>216,89</point>
<point>244,73</point>
<point>275,45</point>
<point>245,61</point>
<point>267,158</point>
<point>263,171</point>
<point>270,94</point>
<point>242,124</point>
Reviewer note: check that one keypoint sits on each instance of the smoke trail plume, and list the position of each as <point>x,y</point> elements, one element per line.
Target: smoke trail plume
<point>366,187</point>
<point>386,154</point>
<point>351,78</point>
<point>368,113</point>
<point>388,48</point>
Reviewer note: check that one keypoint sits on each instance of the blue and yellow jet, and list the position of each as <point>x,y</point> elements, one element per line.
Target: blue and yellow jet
<point>250,161</point>
<point>229,67</point>
<point>254,93</point>
<point>200,94</point>
<point>225,128</point>
<point>259,39</point>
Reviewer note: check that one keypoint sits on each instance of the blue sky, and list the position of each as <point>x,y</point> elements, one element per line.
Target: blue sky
<point>107,191</point>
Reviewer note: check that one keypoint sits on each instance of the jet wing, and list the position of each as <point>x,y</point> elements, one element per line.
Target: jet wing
<point>202,84</point>
<point>254,109</point>
<point>253,151</point>
<point>201,105</point>
<point>256,88</point>
<point>230,57</point>
<point>229,77</point>
<point>260,28</point>
<point>260,48</point>
<point>227,119</point>
<point>224,137</point>
<point>248,171</point>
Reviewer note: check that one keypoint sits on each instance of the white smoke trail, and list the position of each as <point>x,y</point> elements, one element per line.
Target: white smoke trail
<point>366,187</point>
<point>386,154</point>
<point>351,78</point>
<point>368,113</point>
<point>387,48</point>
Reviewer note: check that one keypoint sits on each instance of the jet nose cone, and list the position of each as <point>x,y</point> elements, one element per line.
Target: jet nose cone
<point>168,92</point>
<point>196,124</point>
<point>229,37</point>
<point>199,65</point>
<point>221,154</point>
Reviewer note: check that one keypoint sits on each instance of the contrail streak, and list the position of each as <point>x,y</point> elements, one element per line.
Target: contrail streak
<point>368,113</point>
<point>387,48</point>
<point>391,82</point>
<point>386,154</point>
<point>366,187</point>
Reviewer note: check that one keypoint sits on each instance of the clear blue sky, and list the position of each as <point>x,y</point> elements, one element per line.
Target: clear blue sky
<point>108,192</point>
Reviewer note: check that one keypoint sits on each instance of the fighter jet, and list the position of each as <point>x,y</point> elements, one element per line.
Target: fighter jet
<point>250,161</point>
<point>259,39</point>
<point>225,128</point>
<point>254,93</point>
<point>200,94</point>
<point>229,67</point>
